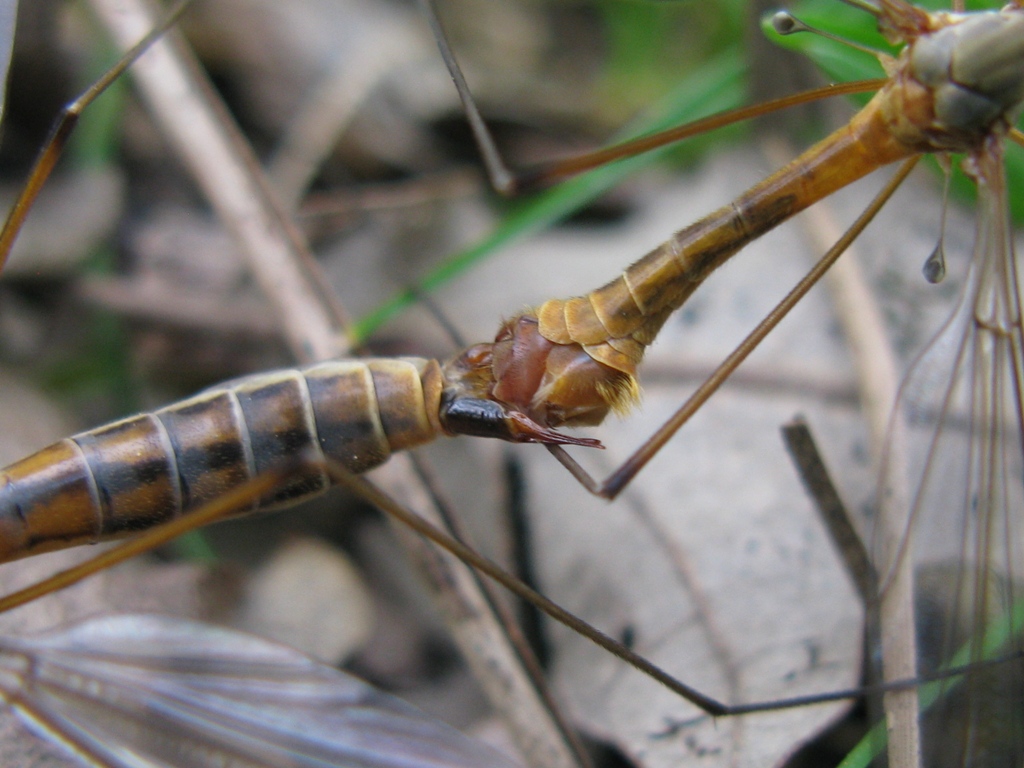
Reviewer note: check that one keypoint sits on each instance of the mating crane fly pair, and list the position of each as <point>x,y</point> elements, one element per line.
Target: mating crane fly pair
<point>569,363</point>
<point>956,87</point>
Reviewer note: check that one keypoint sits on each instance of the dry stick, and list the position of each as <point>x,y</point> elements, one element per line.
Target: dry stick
<point>456,586</point>
<point>492,642</point>
<point>455,525</point>
<point>878,379</point>
<point>220,155</point>
<point>520,696</point>
<point>833,512</point>
<point>839,524</point>
<point>187,109</point>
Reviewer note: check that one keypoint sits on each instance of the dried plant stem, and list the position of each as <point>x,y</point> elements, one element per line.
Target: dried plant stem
<point>471,616</point>
<point>878,381</point>
<point>203,133</point>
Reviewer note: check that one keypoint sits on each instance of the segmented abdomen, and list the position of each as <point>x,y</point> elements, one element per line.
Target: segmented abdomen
<point>143,470</point>
<point>615,323</point>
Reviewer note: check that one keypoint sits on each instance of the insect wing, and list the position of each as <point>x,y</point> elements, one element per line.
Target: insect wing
<point>143,690</point>
<point>956,465</point>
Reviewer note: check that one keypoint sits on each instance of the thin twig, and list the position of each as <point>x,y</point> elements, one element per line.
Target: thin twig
<point>203,133</point>
<point>478,631</point>
<point>878,379</point>
<point>831,509</point>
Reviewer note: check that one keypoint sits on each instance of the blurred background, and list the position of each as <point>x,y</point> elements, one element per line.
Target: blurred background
<point>126,292</point>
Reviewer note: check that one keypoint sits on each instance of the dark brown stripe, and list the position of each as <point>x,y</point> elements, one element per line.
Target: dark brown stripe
<point>207,440</point>
<point>277,416</point>
<point>346,413</point>
<point>135,477</point>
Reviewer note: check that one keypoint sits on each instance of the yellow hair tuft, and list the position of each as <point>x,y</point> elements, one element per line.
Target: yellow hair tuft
<point>621,394</point>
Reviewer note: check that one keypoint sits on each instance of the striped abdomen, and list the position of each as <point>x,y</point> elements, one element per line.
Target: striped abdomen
<point>141,471</point>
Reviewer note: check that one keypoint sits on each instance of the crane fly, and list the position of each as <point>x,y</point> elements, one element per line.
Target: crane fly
<point>571,362</point>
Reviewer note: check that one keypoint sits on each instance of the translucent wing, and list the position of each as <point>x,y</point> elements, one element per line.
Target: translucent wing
<point>956,465</point>
<point>143,690</point>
